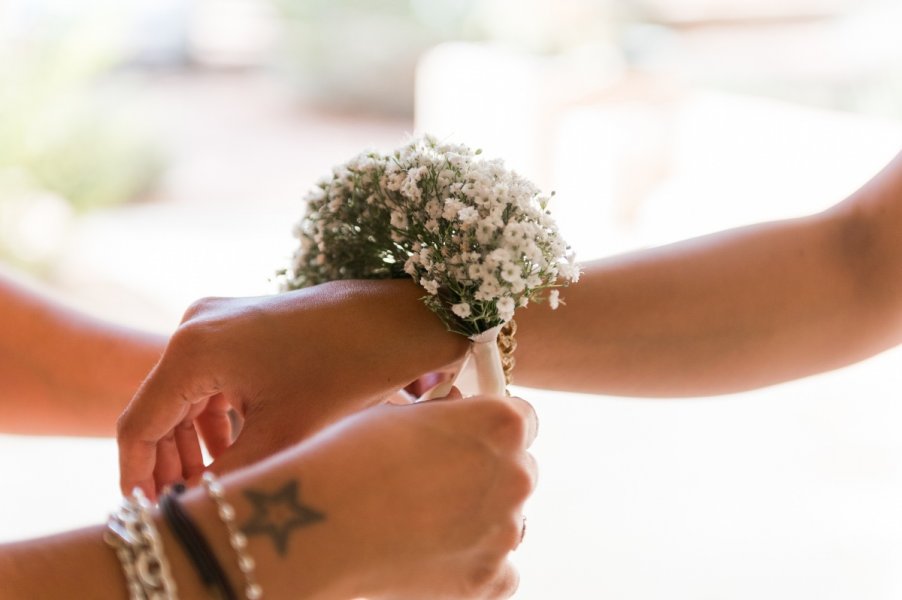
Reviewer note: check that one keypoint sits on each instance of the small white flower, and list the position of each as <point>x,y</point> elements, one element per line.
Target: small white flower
<point>399,220</point>
<point>426,257</point>
<point>462,310</point>
<point>430,285</point>
<point>500,256</point>
<point>569,271</point>
<point>485,232</point>
<point>533,254</point>
<point>533,281</point>
<point>468,215</point>
<point>452,207</point>
<point>433,209</point>
<point>411,191</point>
<point>315,195</point>
<point>336,203</point>
<point>496,217</point>
<point>457,274</point>
<point>506,308</point>
<point>489,290</point>
<point>510,272</point>
<point>445,177</point>
<point>476,271</point>
<point>554,299</point>
<point>514,232</point>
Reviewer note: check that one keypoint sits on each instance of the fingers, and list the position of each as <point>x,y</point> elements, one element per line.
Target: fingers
<point>493,581</point>
<point>168,467</point>
<point>508,424</point>
<point>145,431</point>
<point>506,584</point>
<point>179,457</point>
<point>531,469</point>
<point>178,453</point>
<point>215,425</point>
<point>188,446</point>
<point>530,418</point>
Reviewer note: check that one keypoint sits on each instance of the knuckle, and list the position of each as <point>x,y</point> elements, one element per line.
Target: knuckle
<point>506,585</point>
<point>481,578</point>
<point>522,482</point>
<point>505,424</point>
<point>199,307</point>
<point>493,579</point>
<point>509,533</point>
<point>187,339</point>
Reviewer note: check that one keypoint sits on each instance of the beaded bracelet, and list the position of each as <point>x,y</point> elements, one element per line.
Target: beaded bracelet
<point>237,540</point>
<point>132,534</point>
<point>195,546</point>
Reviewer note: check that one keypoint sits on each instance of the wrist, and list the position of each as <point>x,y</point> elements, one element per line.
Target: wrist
<point>298,564</point>
<point>187,580</point>
<point>380,331</point>
<point>396,313</point>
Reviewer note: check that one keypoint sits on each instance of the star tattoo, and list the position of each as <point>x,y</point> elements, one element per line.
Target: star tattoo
<point>278,514</point>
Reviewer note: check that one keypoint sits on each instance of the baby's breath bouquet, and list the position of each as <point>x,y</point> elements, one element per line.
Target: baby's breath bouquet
<point>478,238</point>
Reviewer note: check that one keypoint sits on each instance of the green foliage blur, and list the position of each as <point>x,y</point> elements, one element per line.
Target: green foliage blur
<point>63,131</point>
<point>68,137</point>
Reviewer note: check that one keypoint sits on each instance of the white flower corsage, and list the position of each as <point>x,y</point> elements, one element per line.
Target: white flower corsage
<point>477,237</point>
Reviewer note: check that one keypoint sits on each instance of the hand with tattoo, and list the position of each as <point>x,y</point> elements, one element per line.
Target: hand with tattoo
<point>395,502</point>
<point>288,365</point>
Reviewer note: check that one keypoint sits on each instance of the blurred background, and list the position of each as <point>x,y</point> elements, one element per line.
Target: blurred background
<point>153,152</point>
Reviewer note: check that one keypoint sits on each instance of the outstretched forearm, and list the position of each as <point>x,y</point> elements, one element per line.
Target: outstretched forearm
<point>63,372</point>
<point>53,567</point>
<point>731,311</point>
